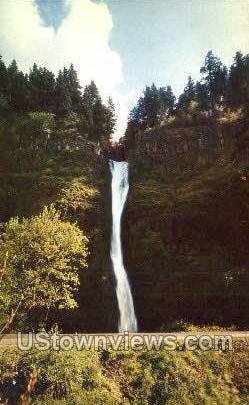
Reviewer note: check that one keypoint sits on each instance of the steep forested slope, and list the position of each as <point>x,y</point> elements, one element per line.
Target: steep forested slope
<point>69,174</point>
<point>186,225</point>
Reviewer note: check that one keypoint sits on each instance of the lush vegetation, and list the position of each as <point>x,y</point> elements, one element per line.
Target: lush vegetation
<point>41,91</point>
<point>185,227</point>
<point>41,258</point>
<point>124,377</point>
<point>186,238</point>
<point>185,234</point>
<point>219,89</point>
<point>51,135</point>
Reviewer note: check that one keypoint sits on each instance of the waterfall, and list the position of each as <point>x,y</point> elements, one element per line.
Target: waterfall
<point>120,187</point>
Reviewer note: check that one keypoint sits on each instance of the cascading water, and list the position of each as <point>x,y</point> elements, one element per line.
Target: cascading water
<point>120,187</point>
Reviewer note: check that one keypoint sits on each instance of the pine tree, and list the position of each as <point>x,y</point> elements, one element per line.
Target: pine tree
<point>110,119</point>
<point>89,99</point>
<point>17,88</point>
<point>92,112</point>
<point>42,89</point>
<point>63,101</point>
<point>215,79</point>
<point>74,88</point>
<point>201,95</point>
<point>167,101</point>
<point>238,85</point>
<point>188,95</point>
<point>138,113</point>
<point>4,85</point>
<point>155,105</point>
<point>97,120</point>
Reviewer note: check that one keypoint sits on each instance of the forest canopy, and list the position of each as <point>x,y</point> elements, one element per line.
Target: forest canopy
<point>41,91</point>
<point>218,89</point>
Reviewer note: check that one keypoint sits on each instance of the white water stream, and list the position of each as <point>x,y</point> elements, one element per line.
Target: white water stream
<point>120,187</point>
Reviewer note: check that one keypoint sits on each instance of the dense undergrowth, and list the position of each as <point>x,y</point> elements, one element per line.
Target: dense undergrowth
<point>124,377</point>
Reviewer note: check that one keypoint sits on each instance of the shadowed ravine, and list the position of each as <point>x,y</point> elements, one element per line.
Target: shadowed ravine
<point>120,187</point>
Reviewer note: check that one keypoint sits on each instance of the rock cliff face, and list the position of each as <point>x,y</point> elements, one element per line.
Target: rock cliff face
<point>190,145</point>
<point>186,225</point>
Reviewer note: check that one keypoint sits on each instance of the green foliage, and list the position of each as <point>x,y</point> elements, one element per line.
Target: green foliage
<point>153,106</point>
<point>64,374</point>
<point>41,258</point>
<point>217,91</point>
<point>182,326</point>
<point>76,198</point>
<point>40,91</point>
<point>215,77</point>
<point>25,133</point>
<point>185,239</point>
<point>34,129</point>
<point>4,84</point>
<point>188,95</point>
<point>67,92</point>
<point>41,121</point>
<point>97,120</point>
<point>71,377</point>
<point>41,88</point>
<point>17,91</point>
<point>201,95</point>
<point>126,377</point>
<point>64,171</point>
<point>238,89</point>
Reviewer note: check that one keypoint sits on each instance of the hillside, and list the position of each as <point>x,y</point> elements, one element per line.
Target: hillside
<point>185,227</point>
<point>186,224</point>
<point>124,377</point>
<point>68,173</point>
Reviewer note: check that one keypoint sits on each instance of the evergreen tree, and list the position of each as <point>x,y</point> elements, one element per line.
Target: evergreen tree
<point>215,79</point>
<point>138,113</point>
<point>74,88</point>
<point>188,95</point>
<point>98,129</point>
<point>4,87</point>
<point>89,100</point>
<point>201,95</point>
<point>167,100</point>
<point>98,121</point>
<point>153,106</point>
<point>238,87</point>
<point>91,95</point>
<point>63,101</point>
<point>109,119</point>
<point>17,88</point>
<point>42,89</point>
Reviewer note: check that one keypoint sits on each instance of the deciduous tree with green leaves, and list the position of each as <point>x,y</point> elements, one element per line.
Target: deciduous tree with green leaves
<point>41,258</point>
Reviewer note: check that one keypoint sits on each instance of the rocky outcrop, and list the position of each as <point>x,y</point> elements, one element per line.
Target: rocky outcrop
<point>196,145</point>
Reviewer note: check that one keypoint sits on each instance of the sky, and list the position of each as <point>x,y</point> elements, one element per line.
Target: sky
<point>123,45</point>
